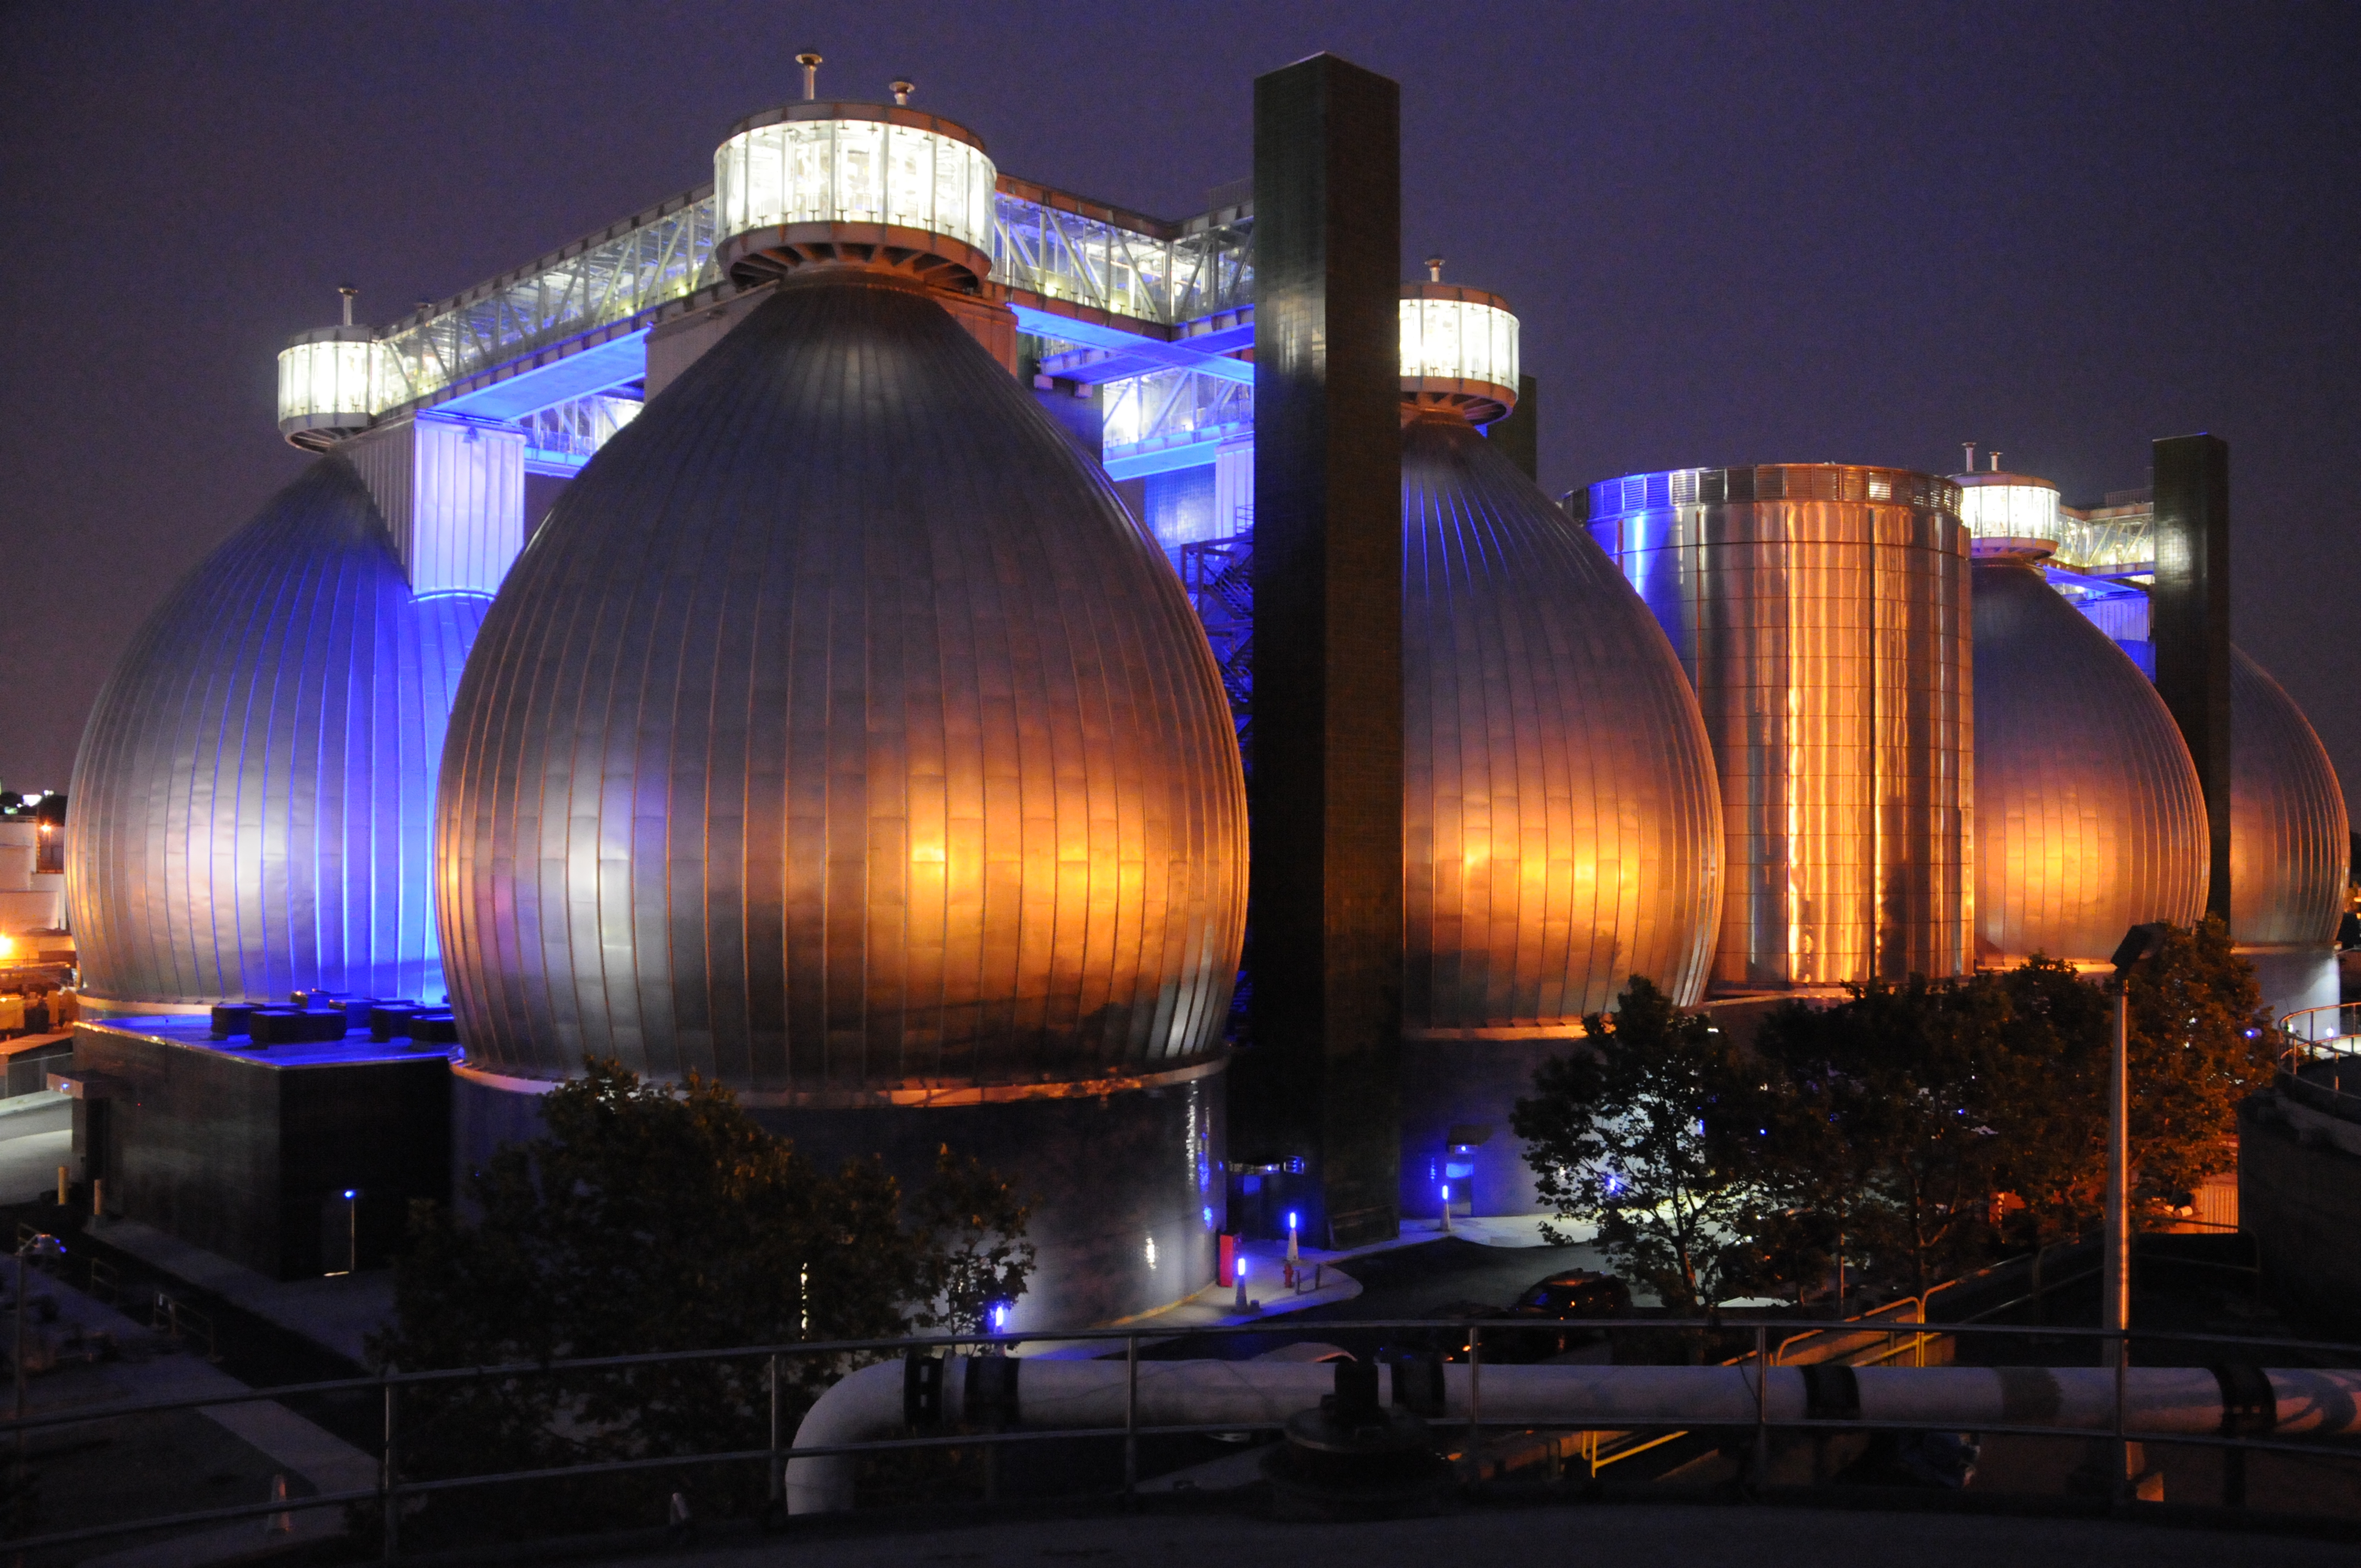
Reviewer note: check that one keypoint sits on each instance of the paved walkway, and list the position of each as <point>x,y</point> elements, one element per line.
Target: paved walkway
<point>314,1458</point>
<point>338,1313</point>
<point>36,1137</point>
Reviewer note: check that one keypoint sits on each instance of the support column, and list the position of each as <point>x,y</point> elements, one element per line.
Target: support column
<point>452,491</point>
<point>1319,1082</point>
<point>2190,621</point>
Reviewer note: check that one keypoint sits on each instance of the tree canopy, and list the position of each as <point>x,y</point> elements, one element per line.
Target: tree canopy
<point>1896,1123</point>
<point>653,1217</point>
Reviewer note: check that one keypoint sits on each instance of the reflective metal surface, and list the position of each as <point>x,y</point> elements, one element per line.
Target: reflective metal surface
<point>1820,611</point>
<point>253,798</point>
<point>1561,825</point>
<point>839,734</point>
<point>2088,815</point>
<point>2289,842</point>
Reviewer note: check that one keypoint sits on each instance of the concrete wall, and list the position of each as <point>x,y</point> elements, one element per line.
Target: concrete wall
<point>2299,1196</point>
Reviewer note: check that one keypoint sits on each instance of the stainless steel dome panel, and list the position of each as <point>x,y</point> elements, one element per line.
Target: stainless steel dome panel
<point>1820,611</point>
<point>253,800</point>
<point>2290,839</point>
<point>839,735</point>
<point>2088,818</point>
<point>1562,827</point>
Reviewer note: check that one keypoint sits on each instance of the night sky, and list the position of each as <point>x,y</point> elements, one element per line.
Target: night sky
<point>1735,233</point>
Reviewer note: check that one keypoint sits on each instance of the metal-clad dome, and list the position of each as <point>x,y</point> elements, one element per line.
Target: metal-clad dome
<point>1561,819</point>
<point>2088,818</point>
<point>253,800</point>
<point>840,736</point>
<point>2289,843</point>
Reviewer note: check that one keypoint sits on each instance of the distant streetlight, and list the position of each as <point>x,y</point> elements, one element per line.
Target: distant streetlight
<point>2140,944</point>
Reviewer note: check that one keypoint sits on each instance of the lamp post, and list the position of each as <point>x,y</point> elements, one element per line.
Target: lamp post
<point>2139,944</point>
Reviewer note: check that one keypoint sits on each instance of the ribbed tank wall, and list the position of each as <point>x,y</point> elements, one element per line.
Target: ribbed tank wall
<point>253,797</point>
<point>1821,613</point>
<point>2088,818</point>
<point>839,735</point>
<point>2289,839</point>
<point>1561,822</point>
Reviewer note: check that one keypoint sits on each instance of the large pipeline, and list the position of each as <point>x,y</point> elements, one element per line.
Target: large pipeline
<point>884,1401</point>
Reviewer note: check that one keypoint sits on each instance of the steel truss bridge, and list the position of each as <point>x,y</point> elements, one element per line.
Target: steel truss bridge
<point>1109,296</point>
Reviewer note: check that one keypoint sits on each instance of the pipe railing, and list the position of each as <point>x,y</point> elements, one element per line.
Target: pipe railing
<point>2330,1037</point>
<point>1634,1432</point>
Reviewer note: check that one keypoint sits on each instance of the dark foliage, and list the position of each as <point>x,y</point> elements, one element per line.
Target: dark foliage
<point>653,1218</point>
<point>1919,1129</point>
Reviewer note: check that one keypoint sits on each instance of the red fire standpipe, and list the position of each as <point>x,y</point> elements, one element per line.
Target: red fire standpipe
<point>1041,1395</point>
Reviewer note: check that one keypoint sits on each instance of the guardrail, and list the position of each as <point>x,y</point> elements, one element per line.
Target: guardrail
<point>2323,1036</point>
<point>1594,1450</point>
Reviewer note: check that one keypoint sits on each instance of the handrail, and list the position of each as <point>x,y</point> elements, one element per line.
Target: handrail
<point>391,1489</point>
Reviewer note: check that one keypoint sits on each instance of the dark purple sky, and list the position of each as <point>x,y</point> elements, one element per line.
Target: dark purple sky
<point>1736,233</point>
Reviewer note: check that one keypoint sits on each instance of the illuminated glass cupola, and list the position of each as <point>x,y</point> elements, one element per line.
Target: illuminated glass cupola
<point>1458,350</point>
<point>2008,515</point>
<point>329,379</point>
<point>873,185</point>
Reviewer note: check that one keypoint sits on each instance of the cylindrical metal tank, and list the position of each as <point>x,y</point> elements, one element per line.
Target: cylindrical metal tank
<point>2291,842</point>
<point>1820,611</point>
<point>840,737</point>
<point>253,800</point>
<point>2089,817</point>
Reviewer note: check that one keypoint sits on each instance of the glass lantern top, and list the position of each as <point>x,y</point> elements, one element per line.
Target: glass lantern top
<point>873,165</point>
<point>1458,340</point>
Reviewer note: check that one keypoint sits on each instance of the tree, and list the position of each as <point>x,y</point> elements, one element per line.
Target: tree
<point>1632,1134</point>
<point>2201,1041</point>
<point>1902,1112</point>
<point>653,1218</point>
<point>1877,1118</point>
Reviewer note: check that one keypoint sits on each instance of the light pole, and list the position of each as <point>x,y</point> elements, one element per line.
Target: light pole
<point>2139,944</point>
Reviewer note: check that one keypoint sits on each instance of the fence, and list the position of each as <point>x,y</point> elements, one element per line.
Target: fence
<point>1865,1342</point>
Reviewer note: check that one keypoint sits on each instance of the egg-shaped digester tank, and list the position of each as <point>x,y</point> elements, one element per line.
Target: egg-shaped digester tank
<point>1560,822</point>
<point>2291,842</point>
<point>840,737</point>
<point>253,798</point>
<point>2089,817</point>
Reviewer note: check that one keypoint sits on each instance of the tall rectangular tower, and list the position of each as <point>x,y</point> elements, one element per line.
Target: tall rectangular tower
<point>2190,621</point>
<point>1318,1083</point>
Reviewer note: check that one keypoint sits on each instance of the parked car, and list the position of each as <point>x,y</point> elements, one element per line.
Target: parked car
<point>1525,1329</point>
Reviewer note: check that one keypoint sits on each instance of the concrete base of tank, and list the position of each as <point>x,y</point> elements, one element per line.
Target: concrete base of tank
<point>1457,1094</point>
<point>1125,1188</point>
<point>2292,979</point>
